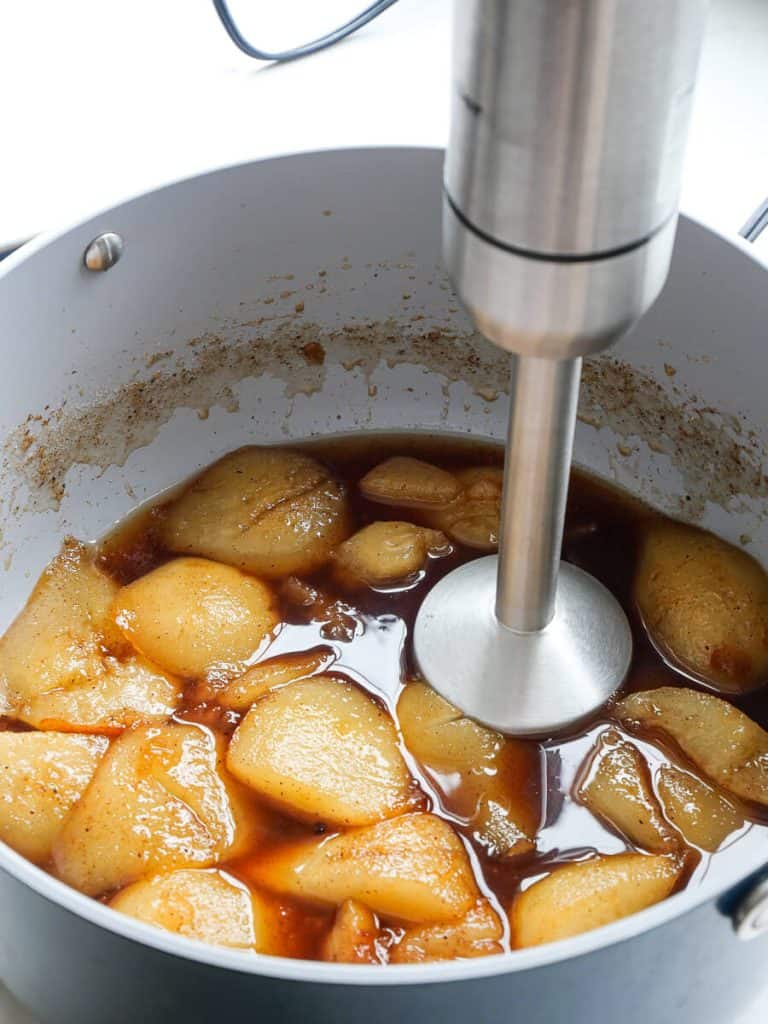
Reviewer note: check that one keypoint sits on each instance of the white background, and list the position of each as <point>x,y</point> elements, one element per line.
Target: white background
<point>103,99</point>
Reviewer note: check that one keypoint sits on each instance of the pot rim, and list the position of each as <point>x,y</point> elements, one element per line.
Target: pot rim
<point>29,247</point>
<point>286,968</point>
<point>319,972</point>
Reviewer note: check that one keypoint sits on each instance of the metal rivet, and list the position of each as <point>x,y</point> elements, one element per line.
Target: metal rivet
<point>103,252</point>
<point>751,916</point>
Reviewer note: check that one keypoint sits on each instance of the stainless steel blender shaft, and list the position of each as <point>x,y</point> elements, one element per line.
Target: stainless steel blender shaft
<point>562,175</point>
<point>561,183</point>
<point>544,393</point>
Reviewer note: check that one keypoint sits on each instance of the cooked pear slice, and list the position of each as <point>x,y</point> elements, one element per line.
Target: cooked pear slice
<point>386,552</point>
<point>43,776</point>
<point>578,897</point>
<point>705,604</point>
<point>618,788</point>
<point>472,518</point>
<point>495,821</point>
<point>59,638</point>
<point>728,747</point>
<point>479,933</point>
<point>64,665</point>
<point>409,483</point>
<point>123,692</point>
<point>440,735</point>
<point>160,800</point>
<point>270,511</point>
<point>203,904</point>
<point>191,616</point>
<point>492,769</point>
<point>323,751</point>
<point>354,937</point>
<point>266,675</point>
<point>704,817</point>
<point>413,867</point>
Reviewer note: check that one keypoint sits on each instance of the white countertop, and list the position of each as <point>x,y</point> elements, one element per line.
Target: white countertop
<point>105,103</point>
<point>100,103</point>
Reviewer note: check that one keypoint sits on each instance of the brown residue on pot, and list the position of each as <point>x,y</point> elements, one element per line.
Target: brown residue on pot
<point>719,459</point>
<point>157,357</point>
<point>106,431</point>
<point>314,352</point>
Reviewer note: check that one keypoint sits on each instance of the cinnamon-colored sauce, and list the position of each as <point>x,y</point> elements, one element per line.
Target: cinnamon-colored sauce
<point>371,631</point>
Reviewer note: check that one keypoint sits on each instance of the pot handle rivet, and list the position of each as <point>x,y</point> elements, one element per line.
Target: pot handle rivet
<point>103,252</point>
<point>750,918</point>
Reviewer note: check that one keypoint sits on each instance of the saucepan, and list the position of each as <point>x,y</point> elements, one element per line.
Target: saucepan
<point>142,344</point>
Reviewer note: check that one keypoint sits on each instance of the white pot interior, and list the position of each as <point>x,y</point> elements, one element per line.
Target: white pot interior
<point>120,384</point>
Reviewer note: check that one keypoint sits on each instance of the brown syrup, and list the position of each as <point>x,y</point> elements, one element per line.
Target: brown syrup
<point>370,630</point>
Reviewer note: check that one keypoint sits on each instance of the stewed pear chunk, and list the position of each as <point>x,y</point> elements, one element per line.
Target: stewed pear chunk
<point>354,937</point>
<point>494,823</point>
<point>270,511</point>
<point>584,895</point>
<point>323,751</point>
<point>65,665</point>
<point>125,691</point>
<point>413,867</point>
<point>266,675</point>
<point>440,735</point>
<point>229,745</point>
<point>386,552</point>
<point>160,800</point>
<point>192,616</point>
<point>203,904</point>
<point>479,933</point>
<point>704,817</point>
<point>409,483</point>
<point>618,788</point>
<point>44,774</point>
<point>472,518</point>
<point>728,747</point>
<point>60,636</point>
<point>494,772</point>
<point>705,605</point>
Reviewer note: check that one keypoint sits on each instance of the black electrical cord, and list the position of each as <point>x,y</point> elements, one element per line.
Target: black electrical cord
<point>222,9</point>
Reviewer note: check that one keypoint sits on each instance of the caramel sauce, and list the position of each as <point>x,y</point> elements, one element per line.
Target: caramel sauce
<point>370,630</point>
